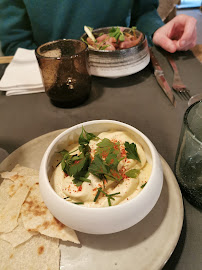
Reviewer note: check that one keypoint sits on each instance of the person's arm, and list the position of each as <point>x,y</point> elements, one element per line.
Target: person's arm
<point>15,27</point>
<point>146,18</point>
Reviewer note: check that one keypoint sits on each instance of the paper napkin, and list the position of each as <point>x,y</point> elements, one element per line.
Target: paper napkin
<point>22,76</point>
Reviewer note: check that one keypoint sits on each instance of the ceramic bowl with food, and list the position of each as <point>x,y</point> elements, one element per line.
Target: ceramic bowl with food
<point>124,60</point>
<point>123,180</point>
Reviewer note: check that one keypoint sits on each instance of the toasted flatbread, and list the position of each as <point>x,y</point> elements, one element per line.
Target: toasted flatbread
<point>37,217</point>
<point>18,235</point>
<point>29,233</point>
<point>11,211</point>
<point>40,252</point>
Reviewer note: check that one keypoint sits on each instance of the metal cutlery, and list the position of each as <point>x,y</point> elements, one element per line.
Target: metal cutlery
<point>158,72</point>
<point>179,87</point>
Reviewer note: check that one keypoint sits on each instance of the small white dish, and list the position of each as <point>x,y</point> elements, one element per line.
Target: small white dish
<point>109,219</point>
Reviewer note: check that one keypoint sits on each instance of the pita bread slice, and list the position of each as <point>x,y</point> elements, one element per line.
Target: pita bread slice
<point>10,213</point>
<point>20,176</point>
<point>18,235</point>
<point>39,252</point>
<point>19,170</point>
<point>37,217</point>
<point>4,192</point>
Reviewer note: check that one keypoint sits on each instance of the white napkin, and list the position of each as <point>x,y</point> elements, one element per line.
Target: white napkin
<point>22,76</point>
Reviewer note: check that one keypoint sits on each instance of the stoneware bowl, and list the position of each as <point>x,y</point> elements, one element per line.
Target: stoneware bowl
<point>119,63</point>
<point>107,219</point>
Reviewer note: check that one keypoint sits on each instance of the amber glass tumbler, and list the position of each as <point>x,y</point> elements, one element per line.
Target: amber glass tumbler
<point>65,71</point>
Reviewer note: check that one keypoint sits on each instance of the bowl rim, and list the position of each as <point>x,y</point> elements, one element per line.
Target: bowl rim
<point>44,167</point>
<point>60,57</point>
<point>116,51</point>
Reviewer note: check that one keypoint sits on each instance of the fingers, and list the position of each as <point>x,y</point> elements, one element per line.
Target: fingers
<point>184,45</point>
<point>188,38</point>
<point>178,34</point>
<point>161,39</point>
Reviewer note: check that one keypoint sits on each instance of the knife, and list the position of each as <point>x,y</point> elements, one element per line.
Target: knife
<point>159,74</point>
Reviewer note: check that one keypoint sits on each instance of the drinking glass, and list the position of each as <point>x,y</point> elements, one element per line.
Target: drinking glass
<point>188,164</point>
<point>65,71</point>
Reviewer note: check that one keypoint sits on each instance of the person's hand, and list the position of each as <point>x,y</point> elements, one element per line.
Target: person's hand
<point>179,34</point>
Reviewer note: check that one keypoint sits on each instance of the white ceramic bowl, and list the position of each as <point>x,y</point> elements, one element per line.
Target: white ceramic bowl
<point>108,219</point>
<point>119,63</point>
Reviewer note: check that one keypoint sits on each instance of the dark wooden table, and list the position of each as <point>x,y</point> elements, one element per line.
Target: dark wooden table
<point>136,100</point>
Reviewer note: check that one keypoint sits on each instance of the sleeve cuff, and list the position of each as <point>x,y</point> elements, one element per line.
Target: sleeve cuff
<point>148,23</point>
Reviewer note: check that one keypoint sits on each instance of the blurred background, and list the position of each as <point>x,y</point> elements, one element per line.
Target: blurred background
<point>170,8</point>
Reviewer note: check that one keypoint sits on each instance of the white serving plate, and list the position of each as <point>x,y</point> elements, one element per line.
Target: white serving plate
<point>147,245</point>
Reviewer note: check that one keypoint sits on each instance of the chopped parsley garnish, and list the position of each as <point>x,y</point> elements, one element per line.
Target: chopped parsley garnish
<point>109,196</point>
<point>78,202</point>
<point>77,165</point>
<point>117,33</point>
<point>132,173</point>
<point>106,147</point>
<point>79,181</point>
<point>132,151</point>
<point>110,152</point>
<point>85,137</point>
<point>97,195</point>
<point>104,164</point>
<point>142,186</point>
<point>103,47</point>
<point>106,160</point>
<point>103,170</point>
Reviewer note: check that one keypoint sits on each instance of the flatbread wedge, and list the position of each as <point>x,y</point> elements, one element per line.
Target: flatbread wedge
<point>40,252</point>
<point>36,217</point>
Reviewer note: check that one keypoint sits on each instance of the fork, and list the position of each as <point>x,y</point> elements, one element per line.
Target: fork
<point>178,85</point>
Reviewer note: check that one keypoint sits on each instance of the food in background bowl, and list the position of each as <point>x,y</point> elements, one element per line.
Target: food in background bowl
<point>119,62</point>
<point>100,171</point>
<point>117,38</point>
<point>101,220</point>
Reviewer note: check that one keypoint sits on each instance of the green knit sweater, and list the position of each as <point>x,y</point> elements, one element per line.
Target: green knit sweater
<point>29,23</point>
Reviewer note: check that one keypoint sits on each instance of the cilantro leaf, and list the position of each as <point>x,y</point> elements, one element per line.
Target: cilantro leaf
<point>79,166</point>
<point>106,147</point>
<point>132,151</point>
<point>78,182</point>
<point>102,170</point>
<point>111,159</point>
<point>97,167</point>
<point>132,173</point>
<point>113,175</point>
<point>75,158</point>
<point>84,148</point>
<point>85,137</point>
<point>66,161</point>
<point>64,152</point>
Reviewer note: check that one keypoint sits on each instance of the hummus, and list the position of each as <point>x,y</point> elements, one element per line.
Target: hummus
<point>117,171</point>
